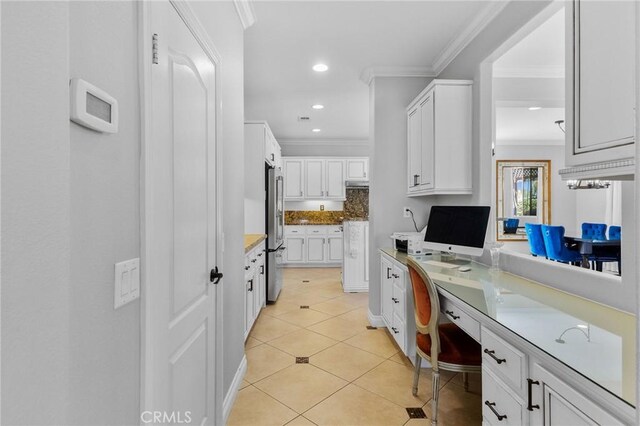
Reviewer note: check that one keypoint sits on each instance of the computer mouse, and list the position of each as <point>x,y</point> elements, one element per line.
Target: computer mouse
<point>464,269</point>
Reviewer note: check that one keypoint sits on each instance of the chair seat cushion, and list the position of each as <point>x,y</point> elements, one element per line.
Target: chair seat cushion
<point>456,346</point>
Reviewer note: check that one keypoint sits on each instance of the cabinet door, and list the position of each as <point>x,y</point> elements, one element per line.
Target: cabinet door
<point>334,249</point>
<point>260,290</point>
<point>386,282</point>
<point>293,174</point>
<point>294,251</point>
<point>427,142</point>
<point>414,150</point>
<point>357,169</point>
<point>314,178</point>
<point>603,61</point>
<point>335,179</point>
<point>315,249</point>
<point>269,147</point>
<point>249,305</point>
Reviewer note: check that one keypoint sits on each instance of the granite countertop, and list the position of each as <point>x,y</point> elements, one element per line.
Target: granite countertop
<point>252,240</point>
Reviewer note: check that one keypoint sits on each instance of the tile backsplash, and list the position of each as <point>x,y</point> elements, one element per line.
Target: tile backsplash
<point>356,206</point>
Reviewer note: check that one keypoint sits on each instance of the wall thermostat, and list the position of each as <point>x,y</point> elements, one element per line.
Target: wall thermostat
<point>92,107</point>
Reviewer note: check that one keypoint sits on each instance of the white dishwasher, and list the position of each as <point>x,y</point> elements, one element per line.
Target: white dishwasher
<point>355,260</point>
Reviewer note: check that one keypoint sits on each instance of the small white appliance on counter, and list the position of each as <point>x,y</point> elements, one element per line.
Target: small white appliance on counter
<point>408,242</point>
<point>355,260</point>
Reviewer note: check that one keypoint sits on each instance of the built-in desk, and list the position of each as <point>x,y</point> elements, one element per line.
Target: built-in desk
<point>572,358</point>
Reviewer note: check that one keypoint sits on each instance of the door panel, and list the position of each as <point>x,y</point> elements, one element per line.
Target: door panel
<point>180,223</point>
<point>294,251</point>
<point>427,143</point>
<point>335,179</point>
<point>414,150</point>
<point>314,178</point>
<point>335,249</point>
<point>293,173</point>
<point>315,249</point>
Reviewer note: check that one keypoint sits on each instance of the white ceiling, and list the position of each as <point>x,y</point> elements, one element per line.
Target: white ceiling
<point>289,37</point>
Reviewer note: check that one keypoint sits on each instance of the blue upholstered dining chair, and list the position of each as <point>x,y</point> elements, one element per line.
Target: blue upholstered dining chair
<point>556,247</point>
<point>510,226</point>
<point>594,231</point>
<point>536,240</point>
<point>615,232</point>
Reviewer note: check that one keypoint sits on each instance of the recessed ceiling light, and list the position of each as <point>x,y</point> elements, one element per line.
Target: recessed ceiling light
<point>534,108</point>
<point>317,106</point>
<point>320,67</point>
<point>315,130</point>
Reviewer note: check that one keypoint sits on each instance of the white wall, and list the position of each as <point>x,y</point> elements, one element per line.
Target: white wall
<point>36,350</point>
<point>389,98</point>
<point>314,205</point>
<point>71,210</point>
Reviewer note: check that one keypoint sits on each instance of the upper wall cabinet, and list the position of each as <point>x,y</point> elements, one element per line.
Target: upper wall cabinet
<point>600,89</point>
<point>439,139</point>
<point>315,178</point>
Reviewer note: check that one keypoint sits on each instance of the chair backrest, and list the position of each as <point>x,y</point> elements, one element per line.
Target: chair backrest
<point>536,240</point>
<point>554,244</point>
<point>426,303</point>
<point>615,232</point>
<point>594,231</point>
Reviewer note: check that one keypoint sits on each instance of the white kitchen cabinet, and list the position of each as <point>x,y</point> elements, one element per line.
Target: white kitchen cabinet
<point>600,88</point>
<point>355,264</point>
<point>357,169</point>
<point>314,176</point>
<point>334,249</point>
<point>293,179</point>
<point>439,139</point>
<point>313,245</point>
<point>254,285</point>
<point>334,179</point>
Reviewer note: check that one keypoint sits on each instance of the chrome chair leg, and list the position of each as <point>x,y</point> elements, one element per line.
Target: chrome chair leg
<point>416,375</point>
<point>465,381</point>
<point>436,397</point>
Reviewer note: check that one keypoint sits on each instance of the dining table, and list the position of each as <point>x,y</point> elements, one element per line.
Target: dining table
<point>594,248</point>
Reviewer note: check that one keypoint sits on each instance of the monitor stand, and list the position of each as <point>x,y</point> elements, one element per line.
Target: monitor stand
<point>451,258</point>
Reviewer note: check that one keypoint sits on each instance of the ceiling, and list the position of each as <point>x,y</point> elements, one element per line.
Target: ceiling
<point>289,37</point>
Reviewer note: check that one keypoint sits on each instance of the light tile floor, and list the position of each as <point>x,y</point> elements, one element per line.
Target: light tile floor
<point>355,376</point>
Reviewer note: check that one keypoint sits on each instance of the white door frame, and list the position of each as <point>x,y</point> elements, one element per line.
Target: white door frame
<point>147,216</point>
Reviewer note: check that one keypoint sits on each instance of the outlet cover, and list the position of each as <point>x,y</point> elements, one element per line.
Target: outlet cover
<point>127,282</point>
<point>405,212</point>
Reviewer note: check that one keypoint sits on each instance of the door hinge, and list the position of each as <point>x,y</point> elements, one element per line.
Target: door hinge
<point>155,48</point>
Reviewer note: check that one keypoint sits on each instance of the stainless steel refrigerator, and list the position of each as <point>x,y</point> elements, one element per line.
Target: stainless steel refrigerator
<point>275,231</point>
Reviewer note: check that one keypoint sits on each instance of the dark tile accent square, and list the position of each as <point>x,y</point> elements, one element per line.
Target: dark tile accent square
<point>370,327</point>
<point>305,281</point>
<point>302,360</point>
<point>416,413</point>
<point>304,306</point>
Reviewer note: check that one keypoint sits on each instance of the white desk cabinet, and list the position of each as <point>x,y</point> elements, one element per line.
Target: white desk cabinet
<point>600,88</point>
<point>439,139</point>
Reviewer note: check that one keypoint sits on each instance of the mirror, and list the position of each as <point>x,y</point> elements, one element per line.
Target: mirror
<point>523,194</point>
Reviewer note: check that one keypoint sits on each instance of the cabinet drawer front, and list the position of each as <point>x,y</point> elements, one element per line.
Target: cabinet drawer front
<point>398,331</point>
<point>499,356</point>
<point>334,229</point>
<point>497,400</point>
<point>316,230</point>
<point>294,230</point>
<point>461,319</point>
<point>399,301</point>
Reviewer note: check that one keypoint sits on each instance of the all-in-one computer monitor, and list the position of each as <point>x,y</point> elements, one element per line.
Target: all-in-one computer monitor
<point>457,229</point>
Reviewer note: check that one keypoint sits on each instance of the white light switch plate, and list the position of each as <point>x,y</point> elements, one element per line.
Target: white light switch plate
<point>127,283</point>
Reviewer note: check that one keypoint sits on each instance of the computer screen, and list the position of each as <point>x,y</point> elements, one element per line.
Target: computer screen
<point>458,229</point>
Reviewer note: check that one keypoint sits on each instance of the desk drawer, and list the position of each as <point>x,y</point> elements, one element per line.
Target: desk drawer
<point>503,359</point>
<point>498,401</point>
<point>461,319</point>
<point>399,301</point>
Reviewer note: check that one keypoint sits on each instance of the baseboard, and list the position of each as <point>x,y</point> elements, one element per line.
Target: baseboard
<point>312,265</point>
<point>375,320</point>
<point>231,395</point>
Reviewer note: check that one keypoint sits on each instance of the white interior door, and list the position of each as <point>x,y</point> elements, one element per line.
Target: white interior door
<point>181,225</point>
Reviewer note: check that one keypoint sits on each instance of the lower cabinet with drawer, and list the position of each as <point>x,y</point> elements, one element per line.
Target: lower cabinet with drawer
<point>397,304</point>
<point>313,245</point>
<point>254,285</point>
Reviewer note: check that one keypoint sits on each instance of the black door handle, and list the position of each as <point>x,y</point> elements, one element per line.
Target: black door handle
<point>215,276</point>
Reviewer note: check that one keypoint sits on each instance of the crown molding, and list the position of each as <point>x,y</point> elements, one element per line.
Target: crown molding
<point>462,40</point>
<point>245,12</point>
<point>529,72</point>
<point>368,74</point>
<point>323,142</point>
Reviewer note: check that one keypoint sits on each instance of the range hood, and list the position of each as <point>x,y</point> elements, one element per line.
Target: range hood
<point>356,184</point>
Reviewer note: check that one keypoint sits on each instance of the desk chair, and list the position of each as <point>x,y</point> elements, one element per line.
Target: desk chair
<point>556,247</point>
<point>536,240</point>
<point>594,231</point>
<point>445,346</point>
